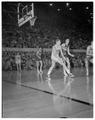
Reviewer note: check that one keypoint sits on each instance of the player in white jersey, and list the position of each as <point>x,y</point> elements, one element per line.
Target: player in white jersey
<point>56,49</point>
<point>66,52</point>
<point>18,62</point>
<point>89,57</point>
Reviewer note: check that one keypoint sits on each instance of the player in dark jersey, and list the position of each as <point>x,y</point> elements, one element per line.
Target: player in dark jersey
<point>66,52</point>
<point>39,60</point>
<point>89,57</point>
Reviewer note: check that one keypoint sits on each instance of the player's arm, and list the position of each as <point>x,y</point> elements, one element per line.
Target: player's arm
<point>70,53</point>
<point>37,54</point>
<point>62,48</point>
<point>62,53</point>
<point>88,51</point>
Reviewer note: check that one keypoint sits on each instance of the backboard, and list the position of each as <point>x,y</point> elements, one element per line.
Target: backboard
<point>25,13</point>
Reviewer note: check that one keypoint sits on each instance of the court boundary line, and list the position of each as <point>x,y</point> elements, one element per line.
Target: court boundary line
<point>51,93</point>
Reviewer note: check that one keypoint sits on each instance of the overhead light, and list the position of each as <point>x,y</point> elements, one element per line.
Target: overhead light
<point>51,4</point>
<point>87,8</point>
<point>91,13</point>
<point>67,4</point>
<point>58,9</point>
<point>70,8</point>
<point>91,17</point>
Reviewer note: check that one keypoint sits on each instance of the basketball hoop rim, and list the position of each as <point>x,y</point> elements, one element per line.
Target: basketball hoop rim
<point>35,17</point>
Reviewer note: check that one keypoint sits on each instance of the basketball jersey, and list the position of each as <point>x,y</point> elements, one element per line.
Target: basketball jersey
<point>55,51</point>
<point>65,49</point>
<point>18,59</point>
<point>39,55</point>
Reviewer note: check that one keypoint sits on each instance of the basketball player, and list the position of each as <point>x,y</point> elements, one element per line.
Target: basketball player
<point>56,50</point>
<point>39,60</point>
<point>89,57</point>
<point>18,62</point>
<point>66,52</point>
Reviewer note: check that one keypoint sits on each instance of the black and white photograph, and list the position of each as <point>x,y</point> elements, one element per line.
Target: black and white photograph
<point>47,59</point>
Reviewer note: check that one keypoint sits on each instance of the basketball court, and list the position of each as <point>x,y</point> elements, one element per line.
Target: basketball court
<point>26,96</point>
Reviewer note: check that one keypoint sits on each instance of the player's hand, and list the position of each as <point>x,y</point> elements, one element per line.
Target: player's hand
<point>72,55</point>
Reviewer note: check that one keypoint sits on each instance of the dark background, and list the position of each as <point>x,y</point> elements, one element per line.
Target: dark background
<point>74,22</point>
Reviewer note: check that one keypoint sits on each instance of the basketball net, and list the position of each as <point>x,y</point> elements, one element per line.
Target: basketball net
<point>27,13</point>
<point>32,21</point>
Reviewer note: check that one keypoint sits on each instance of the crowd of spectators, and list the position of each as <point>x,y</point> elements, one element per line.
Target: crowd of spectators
<point>28,60</point>
<point>43,36</point>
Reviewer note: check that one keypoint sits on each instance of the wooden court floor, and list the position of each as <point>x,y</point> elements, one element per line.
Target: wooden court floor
<point>26,95</point>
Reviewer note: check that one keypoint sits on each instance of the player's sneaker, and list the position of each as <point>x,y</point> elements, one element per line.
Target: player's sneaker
<point>65,75</point>
<point>71,75</point>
